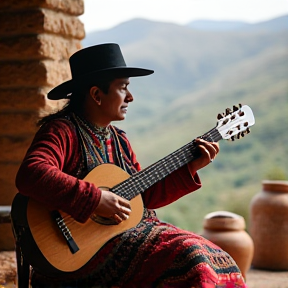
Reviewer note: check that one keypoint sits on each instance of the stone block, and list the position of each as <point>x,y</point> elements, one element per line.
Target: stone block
<point>39,21</point>
<point>37,47</point>
<point>8,173</point>
<point>23,99</point>
<point>57,72</point>
<point>28,100</point>
<point>73,7</point>
<point>13,148</point>
<point>34,73</point>
<point>61,24</point>
<point>19,124</point>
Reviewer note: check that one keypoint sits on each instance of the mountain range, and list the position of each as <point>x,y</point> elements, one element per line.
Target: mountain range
<point>201,69</point>
<point>184,58</point>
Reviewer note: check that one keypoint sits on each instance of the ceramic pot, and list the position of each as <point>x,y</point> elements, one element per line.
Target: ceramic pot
<point>269,226</point>
<point>227,230</point>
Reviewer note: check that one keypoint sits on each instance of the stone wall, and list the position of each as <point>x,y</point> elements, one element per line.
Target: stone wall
<point>36,39</point>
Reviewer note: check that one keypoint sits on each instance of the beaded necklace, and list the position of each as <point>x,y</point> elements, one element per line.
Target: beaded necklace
<point>98,145</point>
<point>103,133</point>
<point>93,142</point>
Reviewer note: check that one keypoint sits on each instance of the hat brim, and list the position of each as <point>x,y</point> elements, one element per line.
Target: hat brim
<point>64,90</point>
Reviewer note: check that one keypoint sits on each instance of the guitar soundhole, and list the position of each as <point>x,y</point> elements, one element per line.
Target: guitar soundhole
<point>103,221</point>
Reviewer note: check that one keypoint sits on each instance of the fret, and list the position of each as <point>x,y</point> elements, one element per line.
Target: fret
<point>233,124</point>
<point>145,178</point>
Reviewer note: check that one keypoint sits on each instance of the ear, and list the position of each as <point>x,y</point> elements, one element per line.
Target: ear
<point>95,94</point>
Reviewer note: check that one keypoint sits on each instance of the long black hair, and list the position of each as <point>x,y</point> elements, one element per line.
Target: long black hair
<point>77,98</point>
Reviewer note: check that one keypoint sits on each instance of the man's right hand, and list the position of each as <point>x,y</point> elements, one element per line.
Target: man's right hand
<point>113,207</point>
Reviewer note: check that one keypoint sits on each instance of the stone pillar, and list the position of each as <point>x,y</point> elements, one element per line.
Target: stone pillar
<point>36,39</point>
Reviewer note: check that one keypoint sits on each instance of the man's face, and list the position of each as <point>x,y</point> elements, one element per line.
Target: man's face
<point>114,104</point>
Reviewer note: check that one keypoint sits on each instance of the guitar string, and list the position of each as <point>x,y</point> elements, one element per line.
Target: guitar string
<point>139,183</point>
<point>213,134</point>
<point>164,166</point>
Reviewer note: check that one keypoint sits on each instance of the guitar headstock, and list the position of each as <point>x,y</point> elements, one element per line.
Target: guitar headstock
<point>235,123</point>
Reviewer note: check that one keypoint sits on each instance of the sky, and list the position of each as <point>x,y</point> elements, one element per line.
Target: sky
<point>105,14</point>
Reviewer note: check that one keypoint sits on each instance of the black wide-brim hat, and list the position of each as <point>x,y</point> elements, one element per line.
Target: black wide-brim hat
<point>96,61</point>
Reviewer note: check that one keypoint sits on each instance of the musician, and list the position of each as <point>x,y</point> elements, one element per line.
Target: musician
<point>80,137</point>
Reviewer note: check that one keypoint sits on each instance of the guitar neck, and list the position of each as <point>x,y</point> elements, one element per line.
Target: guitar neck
<point>145,178</point>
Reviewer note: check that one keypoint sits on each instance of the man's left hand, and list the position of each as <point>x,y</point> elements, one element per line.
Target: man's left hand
<point>208,151</point>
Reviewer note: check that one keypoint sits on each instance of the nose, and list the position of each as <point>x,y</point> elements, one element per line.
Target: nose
<point>129,97</point>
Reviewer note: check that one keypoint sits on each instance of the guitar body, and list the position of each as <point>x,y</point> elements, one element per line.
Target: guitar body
<point>89,237</point>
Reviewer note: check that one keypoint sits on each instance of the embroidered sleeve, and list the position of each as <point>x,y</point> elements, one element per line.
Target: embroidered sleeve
<point>174,186</point>
<point>46,173</point>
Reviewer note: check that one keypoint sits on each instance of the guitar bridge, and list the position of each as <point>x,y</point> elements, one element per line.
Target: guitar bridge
<point>65,231</point>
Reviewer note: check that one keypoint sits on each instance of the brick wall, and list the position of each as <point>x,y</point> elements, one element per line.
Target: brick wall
<point>36,39</point>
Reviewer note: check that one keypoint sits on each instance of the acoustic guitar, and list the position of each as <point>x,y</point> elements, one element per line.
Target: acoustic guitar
<point>54,243</point>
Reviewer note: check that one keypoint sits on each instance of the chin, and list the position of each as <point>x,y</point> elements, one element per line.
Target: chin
<point>120,118</point>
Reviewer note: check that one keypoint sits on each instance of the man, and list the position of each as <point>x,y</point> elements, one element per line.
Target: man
<point>80,138</point>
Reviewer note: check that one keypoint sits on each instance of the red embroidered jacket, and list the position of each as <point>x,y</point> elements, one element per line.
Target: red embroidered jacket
<point>48,171</point>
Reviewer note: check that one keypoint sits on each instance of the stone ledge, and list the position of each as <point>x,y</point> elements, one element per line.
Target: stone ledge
<point>5,214</point>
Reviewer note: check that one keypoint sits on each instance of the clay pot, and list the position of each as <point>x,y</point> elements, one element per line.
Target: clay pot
<point>227,230</point>
<point>269,226</point>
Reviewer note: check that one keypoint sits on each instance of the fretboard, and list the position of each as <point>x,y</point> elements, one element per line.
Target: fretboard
<point>142,180</point>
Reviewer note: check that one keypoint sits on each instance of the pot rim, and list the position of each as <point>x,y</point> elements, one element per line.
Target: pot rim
<point>222,214</point>
<point>275,185</point>
<point>224,220</point>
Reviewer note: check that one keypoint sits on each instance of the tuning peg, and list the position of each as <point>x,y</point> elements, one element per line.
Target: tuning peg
<point>233,117</point>
<point>243,134</point>
<point>248,131</point>
<point>240,105</point>
<point>228,111</point>
<point>235,108</point>
<point>232,138</point>
<point>225,121</point>
<point>219,116</point>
